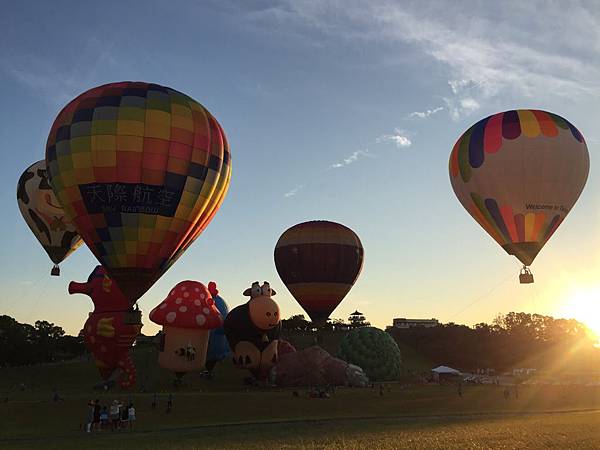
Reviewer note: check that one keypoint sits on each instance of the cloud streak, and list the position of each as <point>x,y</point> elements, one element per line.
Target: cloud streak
<point>294,191</point>
<point>352,159</point>
<point>425,114</point>
<point>399,137</point>
<point>488,51</point>
<point>42,75</point>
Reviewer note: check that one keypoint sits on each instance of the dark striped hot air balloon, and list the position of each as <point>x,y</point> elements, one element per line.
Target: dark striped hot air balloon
<point>319,261</point>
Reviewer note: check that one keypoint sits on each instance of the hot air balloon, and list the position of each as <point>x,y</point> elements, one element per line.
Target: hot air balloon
<point>218,347</point>
<point>187,316</point>
<point>44,215</point>
<point>107,332</point>
<point>253,331</point>
<point>140,169</point>
<point>374,350</point>
<point>519,173</point>
<point>319,262</point>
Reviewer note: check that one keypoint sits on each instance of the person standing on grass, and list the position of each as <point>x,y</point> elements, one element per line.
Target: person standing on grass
<point>90,417</point>
<point>131,411</point>
<point>124,415</point>
<point>170,403</point>
<point>114,414</point>
<point>97,409</point>
<point>104,418</point>
<point>154,401</point>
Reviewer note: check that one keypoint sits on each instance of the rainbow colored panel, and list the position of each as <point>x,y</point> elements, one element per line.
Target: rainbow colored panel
<point>488,135</point>
<point>148,160</point>
<point>519,173</point>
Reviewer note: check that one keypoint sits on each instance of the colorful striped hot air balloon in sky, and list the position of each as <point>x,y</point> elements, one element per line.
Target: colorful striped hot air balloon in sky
<point>519,173</point>
<point>140,169</point>
<point>319,262</point>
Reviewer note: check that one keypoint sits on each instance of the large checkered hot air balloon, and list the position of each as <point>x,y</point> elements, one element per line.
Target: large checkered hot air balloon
<point>319,262</point>
<point>519,173</point>
<point>140,169</point>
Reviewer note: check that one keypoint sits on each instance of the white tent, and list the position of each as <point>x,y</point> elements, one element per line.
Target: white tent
<point>445,370</point>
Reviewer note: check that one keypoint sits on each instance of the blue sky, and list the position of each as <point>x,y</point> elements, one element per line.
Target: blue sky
<point>345,111</point>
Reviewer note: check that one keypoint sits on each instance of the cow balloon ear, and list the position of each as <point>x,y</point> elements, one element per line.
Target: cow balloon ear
<point>247,292</point>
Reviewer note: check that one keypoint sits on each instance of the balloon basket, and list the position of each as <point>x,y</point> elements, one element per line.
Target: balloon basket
<point>525,277</point>
<point>55,272</point>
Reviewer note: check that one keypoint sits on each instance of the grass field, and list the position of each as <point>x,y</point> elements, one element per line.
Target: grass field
<point>222,413</point>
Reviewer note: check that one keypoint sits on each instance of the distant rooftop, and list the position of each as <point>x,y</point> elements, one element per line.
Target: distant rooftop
<point>403,322</point>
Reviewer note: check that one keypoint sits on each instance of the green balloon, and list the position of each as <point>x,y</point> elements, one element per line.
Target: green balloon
<point>374,350</point>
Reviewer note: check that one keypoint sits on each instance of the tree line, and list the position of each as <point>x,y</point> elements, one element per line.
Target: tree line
<point>42,342</point>
<point>513,340</point>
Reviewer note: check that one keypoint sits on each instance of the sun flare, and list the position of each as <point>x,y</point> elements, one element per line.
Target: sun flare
<point>583,305</point>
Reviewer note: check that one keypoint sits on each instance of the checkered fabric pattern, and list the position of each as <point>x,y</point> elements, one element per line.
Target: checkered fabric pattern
<point>140,169</point>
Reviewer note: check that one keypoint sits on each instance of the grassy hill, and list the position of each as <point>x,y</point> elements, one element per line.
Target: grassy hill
<point>223,413</point>
<point>79,376</point>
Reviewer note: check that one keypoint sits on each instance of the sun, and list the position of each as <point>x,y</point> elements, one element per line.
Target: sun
<point>583,305</point>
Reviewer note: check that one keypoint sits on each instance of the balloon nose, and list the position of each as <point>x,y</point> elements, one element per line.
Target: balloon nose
<point>79,288</point>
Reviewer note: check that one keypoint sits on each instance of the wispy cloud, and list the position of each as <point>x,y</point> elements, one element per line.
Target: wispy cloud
<point>352,158</point>
<point>488,51</point>
<point>55,82</point>
<point>425,114</point>
<point>294,191</point>
<point>399,137</point>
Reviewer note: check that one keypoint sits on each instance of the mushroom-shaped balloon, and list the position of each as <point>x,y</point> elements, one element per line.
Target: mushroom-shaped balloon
<point>187,315</point>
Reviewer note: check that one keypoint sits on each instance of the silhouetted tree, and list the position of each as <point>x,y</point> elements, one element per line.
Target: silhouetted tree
<point>22,344</point>
<point>296,323</point>
<point>511,340</point>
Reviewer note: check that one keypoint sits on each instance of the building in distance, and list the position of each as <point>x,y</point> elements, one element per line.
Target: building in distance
<point>404,323</point>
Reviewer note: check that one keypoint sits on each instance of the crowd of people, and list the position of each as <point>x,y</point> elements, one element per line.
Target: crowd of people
<point>117,416</point>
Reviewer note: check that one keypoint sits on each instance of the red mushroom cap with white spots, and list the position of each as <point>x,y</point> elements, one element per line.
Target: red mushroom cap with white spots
<point>188,305</point>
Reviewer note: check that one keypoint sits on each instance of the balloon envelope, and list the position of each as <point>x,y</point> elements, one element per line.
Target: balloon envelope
<point>519,173</point>
<point>374,350</point>
<point>108,334</point>
<point>44,215</point>
<point>218,347</point>
<point>319,261</point>
<point>140,169</point>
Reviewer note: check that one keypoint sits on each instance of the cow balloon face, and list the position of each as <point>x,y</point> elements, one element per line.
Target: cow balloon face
<point>264,312</point>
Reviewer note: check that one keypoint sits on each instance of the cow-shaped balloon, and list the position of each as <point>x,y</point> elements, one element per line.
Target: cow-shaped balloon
<point>253,330</point>
<point>109,331</point>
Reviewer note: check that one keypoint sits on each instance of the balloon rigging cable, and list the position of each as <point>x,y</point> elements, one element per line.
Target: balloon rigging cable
<point>483,296</point>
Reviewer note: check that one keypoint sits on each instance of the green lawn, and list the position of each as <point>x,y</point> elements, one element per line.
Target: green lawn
<point>223,413</point>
